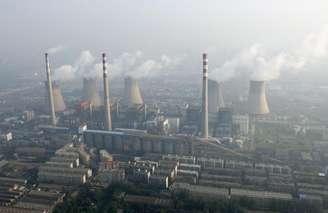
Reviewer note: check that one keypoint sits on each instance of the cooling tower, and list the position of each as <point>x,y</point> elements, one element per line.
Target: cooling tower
<point>132,94</point>
<point>50,92</point>
<point>108,119</point>
<point>215,97</point>
<point>204,124</point>
<point>59,102</point>
<point>257,101</point>
<point>91,92</point>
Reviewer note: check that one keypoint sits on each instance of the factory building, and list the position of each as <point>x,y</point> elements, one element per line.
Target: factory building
<point>137,142</point>
<point>261,199</point>
<point>224,124</point>
<point>28,115</point>
<point>240,125</point>
<point>64,168</point>
<point>6,137</point>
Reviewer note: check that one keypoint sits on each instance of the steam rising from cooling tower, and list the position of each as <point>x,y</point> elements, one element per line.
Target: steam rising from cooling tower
<point>59,102</point>
<point>50,92</point>
<point>262,64</point>
<point>91,91</point>
<point>257,101</point>
<point>204,124</point>
<point>215,97</point>
<point>132,94</point>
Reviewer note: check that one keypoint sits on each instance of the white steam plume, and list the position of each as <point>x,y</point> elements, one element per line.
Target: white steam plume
<point>134,64</point>
<point>259,64</point>
<point>151,68</point>
<point>81,65</point>
<point>64,73</point>
<point>56,49</point>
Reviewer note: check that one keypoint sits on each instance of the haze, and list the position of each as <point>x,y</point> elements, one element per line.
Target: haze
<point>188,27</point>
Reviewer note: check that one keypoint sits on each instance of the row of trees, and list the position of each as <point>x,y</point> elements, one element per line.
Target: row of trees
<point>111,199</point>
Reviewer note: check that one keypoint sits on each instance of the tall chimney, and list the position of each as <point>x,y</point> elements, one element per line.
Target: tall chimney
<point>204,124</point>
<point>50,92</point>
<point>257,101</point>
<point>108,121</point>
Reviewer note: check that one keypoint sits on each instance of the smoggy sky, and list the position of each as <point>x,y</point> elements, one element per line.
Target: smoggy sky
<point>155,27</point>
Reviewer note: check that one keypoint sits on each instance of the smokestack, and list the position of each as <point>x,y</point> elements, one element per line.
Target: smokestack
<point>257,101</point>
<point>215,97</point>
<point>204,124</point>
<point>108,121</point>
<point>132,94</point>
<point>91,91</point>
<point>50,92</point>
<point>59,102</point>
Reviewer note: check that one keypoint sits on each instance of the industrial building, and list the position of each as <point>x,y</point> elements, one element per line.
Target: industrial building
<point>64,168</point>
<point>136,142</point>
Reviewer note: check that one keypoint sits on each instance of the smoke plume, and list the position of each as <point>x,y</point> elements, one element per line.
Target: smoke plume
<point>259,64</point>
<point>133,64</point>
<point>56,49</point>
<point>81,65</point>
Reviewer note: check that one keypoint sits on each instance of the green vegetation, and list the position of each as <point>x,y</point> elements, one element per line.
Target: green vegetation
<point>111,199</point>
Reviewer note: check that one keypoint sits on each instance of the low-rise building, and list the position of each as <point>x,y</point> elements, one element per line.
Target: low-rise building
<point>203,192</point>
<point>159,181</point>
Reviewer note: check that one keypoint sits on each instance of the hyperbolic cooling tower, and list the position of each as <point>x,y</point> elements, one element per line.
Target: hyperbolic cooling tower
<point>59,102</point>
<point>215,97</point>
<point>132,94</point>
<point>91,91</point>
<point>257,101</point>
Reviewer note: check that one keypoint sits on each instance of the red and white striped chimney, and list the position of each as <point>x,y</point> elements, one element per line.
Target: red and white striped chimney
<point>204,123</point>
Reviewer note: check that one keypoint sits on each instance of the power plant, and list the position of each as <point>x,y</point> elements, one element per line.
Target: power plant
<point>147,124</point>
<point>59,102</point>
<point>50,92</point>
<point>175,137</point>
<point>132,94</point>
<point>215,97</point>
<point>204,123</point>
<point>257,102</point>
<point>108,120</point>
<point>91,92</point>
<point>257,106</point>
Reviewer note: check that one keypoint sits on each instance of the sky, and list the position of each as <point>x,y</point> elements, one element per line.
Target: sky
<point>157,28</point>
